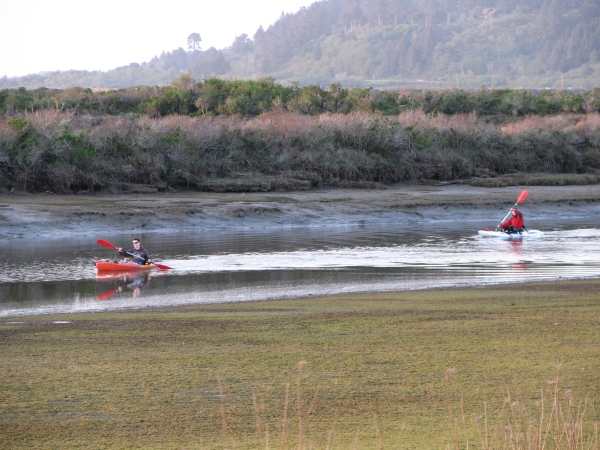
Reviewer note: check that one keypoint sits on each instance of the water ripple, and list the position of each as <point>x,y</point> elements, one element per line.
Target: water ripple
<point>59,276</point>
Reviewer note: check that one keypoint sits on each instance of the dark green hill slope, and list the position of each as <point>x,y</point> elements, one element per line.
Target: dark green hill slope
<point>447,42</point>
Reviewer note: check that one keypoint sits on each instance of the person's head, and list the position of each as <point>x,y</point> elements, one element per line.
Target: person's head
<point>516,212</point>
<point>136,242</point>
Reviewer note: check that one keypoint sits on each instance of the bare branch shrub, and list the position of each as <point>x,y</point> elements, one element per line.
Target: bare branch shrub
<point>330,149</point>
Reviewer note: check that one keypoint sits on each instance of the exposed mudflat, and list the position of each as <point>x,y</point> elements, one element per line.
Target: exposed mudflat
<point>23,214</point>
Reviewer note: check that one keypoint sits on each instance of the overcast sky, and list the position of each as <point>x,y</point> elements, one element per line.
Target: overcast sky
<point>48,35</point>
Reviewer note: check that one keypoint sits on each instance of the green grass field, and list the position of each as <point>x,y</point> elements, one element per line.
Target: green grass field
<point>409,370</point>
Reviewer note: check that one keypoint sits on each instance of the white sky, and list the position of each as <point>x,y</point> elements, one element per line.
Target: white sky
<point>47,35</point>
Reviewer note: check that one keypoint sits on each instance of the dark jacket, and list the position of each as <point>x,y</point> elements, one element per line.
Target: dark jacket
<point>139,256</point>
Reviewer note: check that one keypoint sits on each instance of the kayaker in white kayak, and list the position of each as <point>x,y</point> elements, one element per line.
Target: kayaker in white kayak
<point>137,254</point>
<point>515,224</point>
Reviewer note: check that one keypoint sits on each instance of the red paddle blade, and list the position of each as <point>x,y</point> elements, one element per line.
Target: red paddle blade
<point>104,243</point>
<point>106,295</point>
<point>162,266</point>
<point>522,197</point>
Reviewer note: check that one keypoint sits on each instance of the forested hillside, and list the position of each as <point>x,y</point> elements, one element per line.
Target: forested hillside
<point>429,43</point>
<point>497,43</point>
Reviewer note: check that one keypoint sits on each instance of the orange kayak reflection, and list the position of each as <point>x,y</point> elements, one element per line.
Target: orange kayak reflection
<point>132,282</point>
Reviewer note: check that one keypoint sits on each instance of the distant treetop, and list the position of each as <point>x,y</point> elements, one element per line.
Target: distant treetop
<point>193,41</point>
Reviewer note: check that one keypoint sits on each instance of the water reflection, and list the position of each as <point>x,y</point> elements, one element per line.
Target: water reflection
<point>520,266</point>
<point>516,246</point>
<point>131,283</point>
<point>60,276</point>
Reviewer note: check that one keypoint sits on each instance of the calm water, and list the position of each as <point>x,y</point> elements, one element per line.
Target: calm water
<point>40,276</point>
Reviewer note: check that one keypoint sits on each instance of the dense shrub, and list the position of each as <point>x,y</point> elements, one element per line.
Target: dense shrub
<point>64,151</point>
<point>215,96</point>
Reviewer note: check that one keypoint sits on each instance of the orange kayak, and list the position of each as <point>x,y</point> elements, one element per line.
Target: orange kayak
<point>124,267</point>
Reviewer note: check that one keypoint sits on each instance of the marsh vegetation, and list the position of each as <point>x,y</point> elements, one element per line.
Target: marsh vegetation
<point>472,368</point>
<point>248,136</point>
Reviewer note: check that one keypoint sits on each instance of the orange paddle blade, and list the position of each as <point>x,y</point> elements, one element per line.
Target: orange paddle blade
<point>522,197</point>
<point>104,243</point>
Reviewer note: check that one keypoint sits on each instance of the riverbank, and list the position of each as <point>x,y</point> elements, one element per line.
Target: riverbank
<point>371,370</point>
<point>23,214</point>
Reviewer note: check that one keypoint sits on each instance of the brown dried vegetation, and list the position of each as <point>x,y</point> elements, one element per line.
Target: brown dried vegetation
<point>64,152</point>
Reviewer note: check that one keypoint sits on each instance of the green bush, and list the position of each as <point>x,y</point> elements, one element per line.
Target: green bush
<point>216,96</point>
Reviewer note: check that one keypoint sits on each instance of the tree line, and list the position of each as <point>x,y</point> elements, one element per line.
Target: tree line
<point>247,98</point>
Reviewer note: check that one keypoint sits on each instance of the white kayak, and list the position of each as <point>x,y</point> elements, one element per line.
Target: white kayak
<point>503,234</point>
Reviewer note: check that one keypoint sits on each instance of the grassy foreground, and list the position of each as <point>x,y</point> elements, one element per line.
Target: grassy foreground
<point>435,369</point>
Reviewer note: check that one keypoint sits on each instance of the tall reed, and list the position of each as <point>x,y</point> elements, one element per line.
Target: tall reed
<point>557,421</point>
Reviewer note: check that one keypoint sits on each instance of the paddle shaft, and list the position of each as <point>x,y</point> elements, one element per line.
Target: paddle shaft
<point>113,246</point>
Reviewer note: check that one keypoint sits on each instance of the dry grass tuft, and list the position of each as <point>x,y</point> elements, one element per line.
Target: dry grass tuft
<point>537,179</point>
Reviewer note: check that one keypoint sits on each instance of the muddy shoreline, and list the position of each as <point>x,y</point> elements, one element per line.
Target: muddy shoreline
<point>23,215</point>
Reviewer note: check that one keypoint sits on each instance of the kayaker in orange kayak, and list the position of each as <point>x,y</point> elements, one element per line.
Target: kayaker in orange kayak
<point>138,254</point>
